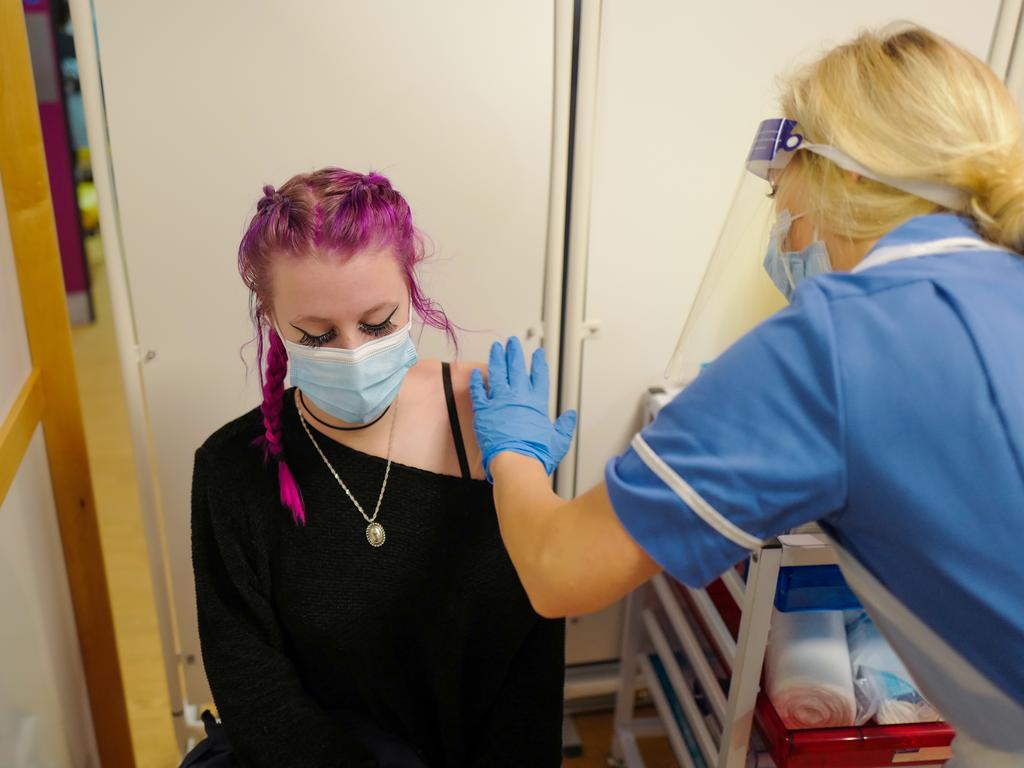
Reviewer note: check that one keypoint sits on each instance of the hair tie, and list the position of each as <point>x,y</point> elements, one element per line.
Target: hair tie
<point>374,179</point>
<point>270,197</point>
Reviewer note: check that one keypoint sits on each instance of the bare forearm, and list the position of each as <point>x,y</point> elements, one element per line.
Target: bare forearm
<point>573,557</point>
<point>527,509</point>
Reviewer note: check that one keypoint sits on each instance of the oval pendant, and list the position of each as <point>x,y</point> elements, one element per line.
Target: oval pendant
<point>375,534</point>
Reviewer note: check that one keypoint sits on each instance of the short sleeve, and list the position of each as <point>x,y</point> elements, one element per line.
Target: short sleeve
<point>751,448</point>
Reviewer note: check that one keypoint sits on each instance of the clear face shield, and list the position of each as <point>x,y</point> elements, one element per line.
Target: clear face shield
<point>736,293</point>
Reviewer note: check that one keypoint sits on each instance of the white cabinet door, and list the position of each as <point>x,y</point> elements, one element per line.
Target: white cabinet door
<point>681,88</point>
<point>206,102</point>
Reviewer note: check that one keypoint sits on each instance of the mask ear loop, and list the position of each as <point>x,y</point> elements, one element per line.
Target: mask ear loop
<point>828,254</point>
<point>817,238</point>
<point>785,253</point>
<point>785,267</point>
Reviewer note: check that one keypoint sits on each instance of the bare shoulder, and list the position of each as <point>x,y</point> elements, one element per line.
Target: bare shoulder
<point>426,369</point>
<point>429,372</point>
<point>461,371</point>
<point>460,384</point>
<point>423,395</point>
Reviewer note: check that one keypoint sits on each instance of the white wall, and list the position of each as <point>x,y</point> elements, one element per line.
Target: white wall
<point>206,102</point>
<point>44,710</point>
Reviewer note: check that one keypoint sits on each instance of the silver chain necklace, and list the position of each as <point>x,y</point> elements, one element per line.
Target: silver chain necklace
<point>374,530</point>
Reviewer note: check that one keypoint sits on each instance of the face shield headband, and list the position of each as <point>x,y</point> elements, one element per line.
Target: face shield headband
<point>777,141</point>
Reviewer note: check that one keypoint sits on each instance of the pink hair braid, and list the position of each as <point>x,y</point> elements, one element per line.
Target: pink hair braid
<point>273,404</point>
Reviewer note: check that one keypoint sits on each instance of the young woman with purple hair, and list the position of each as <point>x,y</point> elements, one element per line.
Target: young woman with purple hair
<point>356,604</point>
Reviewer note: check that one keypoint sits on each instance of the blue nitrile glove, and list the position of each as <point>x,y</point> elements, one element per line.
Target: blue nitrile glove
<point>514,415</point>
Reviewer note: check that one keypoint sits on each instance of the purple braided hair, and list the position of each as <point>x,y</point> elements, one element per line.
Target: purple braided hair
<point>328,211</point>
<point>273,402</point>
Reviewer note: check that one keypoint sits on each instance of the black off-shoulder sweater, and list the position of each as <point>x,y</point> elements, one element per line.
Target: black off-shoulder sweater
<point>324,651</point>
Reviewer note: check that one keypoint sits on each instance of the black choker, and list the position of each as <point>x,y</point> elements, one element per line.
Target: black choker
<point>335,426</point>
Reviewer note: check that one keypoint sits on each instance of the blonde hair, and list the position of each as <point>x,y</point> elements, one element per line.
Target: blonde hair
<point>907,103</point>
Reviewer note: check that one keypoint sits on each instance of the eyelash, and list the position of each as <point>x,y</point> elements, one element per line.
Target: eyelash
<point>318,341</point>
<point>383,329</point>
<point>378,330</point>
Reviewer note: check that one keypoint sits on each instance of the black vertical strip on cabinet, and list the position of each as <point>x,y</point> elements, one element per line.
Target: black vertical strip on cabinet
<point>573,83</point>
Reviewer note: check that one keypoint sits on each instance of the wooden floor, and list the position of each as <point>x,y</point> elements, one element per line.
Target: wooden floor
<point>595,732</point>
<point>124,549</point>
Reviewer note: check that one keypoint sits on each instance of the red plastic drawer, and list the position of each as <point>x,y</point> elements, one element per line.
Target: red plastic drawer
<point>869,746</point>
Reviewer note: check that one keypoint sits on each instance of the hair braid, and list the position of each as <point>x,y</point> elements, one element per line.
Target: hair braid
<point>273,404</point>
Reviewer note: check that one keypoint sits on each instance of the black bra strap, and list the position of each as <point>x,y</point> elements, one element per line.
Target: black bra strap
<point>453,417</point>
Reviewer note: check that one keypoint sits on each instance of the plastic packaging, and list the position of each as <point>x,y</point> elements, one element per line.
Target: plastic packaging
<point>883,686</point>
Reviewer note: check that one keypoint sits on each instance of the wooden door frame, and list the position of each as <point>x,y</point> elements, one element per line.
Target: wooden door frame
<point>50,393</point>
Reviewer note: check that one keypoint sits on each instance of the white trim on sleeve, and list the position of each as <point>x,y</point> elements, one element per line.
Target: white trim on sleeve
<point>691,498</point>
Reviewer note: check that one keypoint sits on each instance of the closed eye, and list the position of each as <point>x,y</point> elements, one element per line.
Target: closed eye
<point>316,341</point>
<point>380,329</point>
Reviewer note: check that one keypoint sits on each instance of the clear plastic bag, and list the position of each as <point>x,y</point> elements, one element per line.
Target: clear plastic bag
<point>882,685</point>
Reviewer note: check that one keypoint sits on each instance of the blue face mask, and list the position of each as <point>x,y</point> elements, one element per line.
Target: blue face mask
<point>354,385</point>
<point>787,268</point>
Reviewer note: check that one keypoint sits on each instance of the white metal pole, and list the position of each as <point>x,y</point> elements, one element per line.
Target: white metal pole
<point>1004,39</point>
<point>90,78</point>
<point>1015,67</point>
<point>625,697</point>
<point>675,738</point>
<point>758,602</point>
<point>691,646</point>
<point>683,692</point>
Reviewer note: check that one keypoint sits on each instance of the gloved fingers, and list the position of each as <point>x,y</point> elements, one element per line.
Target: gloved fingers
<point>565,425</point>
<point>516,364</point>
<point>497,374</point>
<point>477,389</point>
<point>539,372</point>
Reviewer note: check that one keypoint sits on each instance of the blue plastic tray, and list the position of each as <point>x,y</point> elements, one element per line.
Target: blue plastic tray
<point>813,588</point>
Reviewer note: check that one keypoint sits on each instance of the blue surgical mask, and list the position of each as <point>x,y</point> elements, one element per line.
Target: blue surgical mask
<point>787,268</point>
<point>354,385</point>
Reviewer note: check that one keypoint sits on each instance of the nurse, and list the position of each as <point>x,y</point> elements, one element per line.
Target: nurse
<point>886,402</point>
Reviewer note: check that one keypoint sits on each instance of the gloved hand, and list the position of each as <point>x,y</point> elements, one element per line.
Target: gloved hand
<point>514,415</point>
